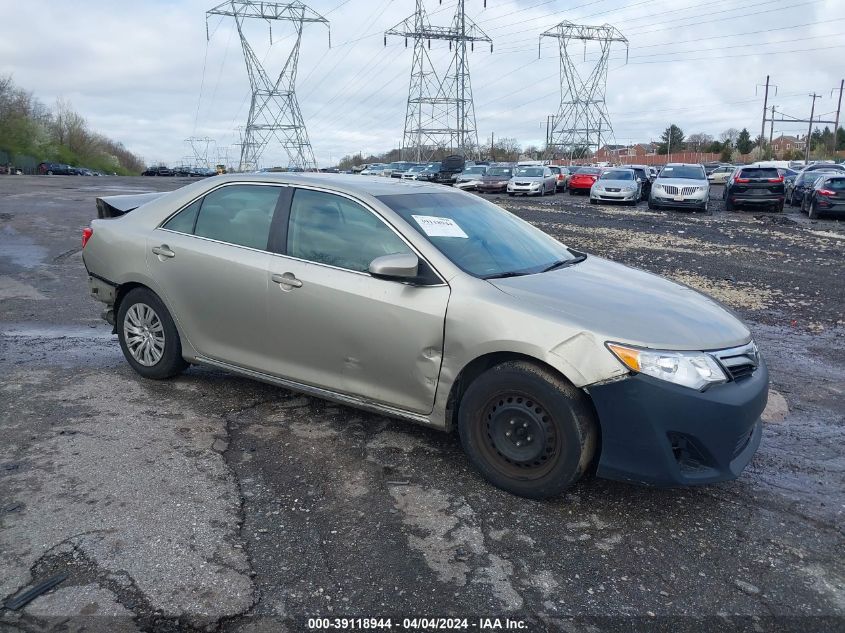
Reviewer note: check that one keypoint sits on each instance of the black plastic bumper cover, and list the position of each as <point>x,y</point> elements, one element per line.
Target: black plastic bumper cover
<point>657,433</point>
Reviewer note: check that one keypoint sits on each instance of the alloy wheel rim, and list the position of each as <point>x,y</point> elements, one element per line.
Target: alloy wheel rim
<point>144,334</point>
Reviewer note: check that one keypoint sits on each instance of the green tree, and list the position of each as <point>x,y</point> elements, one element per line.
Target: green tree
<point>727,152</point>
<point>715,147</point>
<point>672,140</point>
<point>840,139</point>
<point>743,142</point>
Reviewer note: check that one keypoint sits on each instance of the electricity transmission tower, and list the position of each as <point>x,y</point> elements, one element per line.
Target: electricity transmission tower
<point>440,112</point>
<point>200,147</point>
<point>273,111</point>
<point>582,119</point>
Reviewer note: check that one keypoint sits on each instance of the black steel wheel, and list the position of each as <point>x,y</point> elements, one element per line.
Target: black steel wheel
<point>527,429</point>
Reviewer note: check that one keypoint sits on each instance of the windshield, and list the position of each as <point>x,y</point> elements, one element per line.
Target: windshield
<point>588,171</point>
<point>480,238</point>
<point>529,172</point>
<point>504,172</point>
<point>812,176</point>
<point>687,172</point>
<point>417,168</point>
<point>759,172</point>
<point>432,167</point>
<point>478,169</point>
<point>617,174</point>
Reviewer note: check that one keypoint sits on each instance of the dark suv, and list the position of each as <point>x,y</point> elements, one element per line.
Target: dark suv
<point>51,169</point>
<point>826,196</point>
<point>755,186</point>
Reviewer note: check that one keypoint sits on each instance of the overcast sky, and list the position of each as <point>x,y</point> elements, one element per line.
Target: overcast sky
<point>143,73</point>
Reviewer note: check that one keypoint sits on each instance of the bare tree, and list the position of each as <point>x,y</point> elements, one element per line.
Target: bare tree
<point>731,134</point>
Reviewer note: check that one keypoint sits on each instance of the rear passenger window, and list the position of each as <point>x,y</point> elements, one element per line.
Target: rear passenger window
<point>237,214</point>
<point>760,172</point>
<point>184,221</point>
<point>333,230</point>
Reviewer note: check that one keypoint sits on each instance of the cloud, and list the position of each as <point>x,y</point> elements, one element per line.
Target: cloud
<point>144,74</point>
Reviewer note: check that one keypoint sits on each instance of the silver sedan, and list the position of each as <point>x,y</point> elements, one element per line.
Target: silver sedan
<point>532,180</point>
<point>616,185</point>
<point>438,307</point>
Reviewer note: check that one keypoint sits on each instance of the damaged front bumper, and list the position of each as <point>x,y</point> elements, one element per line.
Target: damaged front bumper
<point>661,434</point>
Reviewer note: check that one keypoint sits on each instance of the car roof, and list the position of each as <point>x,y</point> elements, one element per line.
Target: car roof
<point>348,183</point>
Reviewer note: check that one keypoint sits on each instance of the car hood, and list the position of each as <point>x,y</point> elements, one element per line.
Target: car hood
<point>627,305</point>
<point>681,182</point>
<point>528,178</point>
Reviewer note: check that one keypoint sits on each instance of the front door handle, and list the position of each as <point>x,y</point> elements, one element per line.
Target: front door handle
<point>287,279</point>
<point>163,251</point>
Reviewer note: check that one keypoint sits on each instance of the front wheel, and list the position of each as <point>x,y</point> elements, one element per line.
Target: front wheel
<point>148,336</point>
<point>527,430</point>
<point>812,211</point>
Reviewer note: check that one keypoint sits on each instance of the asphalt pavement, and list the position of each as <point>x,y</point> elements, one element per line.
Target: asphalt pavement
<point>211,502</point>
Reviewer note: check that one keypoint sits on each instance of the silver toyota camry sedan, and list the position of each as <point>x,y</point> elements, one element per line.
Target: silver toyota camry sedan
<point>435,306</point>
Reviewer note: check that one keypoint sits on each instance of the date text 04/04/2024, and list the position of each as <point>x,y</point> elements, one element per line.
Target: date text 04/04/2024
<point>416,624</point>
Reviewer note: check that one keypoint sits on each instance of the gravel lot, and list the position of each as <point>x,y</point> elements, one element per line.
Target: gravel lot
<point>213,502</point>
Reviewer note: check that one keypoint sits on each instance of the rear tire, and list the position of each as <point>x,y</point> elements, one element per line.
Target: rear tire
<point>148,336</point>
<point>527,430</point>
<point>729,206</point>
<point>812,211</point>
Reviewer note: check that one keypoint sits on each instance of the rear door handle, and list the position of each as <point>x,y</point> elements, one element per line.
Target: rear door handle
<point>287,279</point>
<point>163,251</point>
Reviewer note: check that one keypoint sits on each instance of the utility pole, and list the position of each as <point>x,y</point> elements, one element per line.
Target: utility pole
<point>771,127</point>
<point>838,108</point>
<point>810,129</point>
<point>765,104</point>
<point>440,111</point>
<point>492,151</point>
<point>583,103</point>
<point>274,110</point>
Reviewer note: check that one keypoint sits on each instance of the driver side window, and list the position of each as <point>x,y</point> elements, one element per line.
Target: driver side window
<point>330,229</point>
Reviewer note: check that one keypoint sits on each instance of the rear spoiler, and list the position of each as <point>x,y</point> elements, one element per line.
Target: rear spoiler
<point>115,206</point>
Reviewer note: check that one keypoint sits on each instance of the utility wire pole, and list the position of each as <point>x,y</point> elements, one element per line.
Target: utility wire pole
<point>838,109</point>
<point>274,110</point>
<point>810,130</point>
<point>583,107</point>
<point>440,112</point>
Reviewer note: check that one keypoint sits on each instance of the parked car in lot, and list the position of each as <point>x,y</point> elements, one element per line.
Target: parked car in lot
<point>642,175</point>
<point>157,170</point>
<point>532,180</point>
<point>373,170</point>
<point>720,175</point>
<point>56,169</point>
<point>561,175</point>
<point>413,172</point>
<point>581,181</point>
<point>826,197</point>
<point>804,182</point>
<point>496,179</point>
<point>549,361</point>
<point>447,169</point>
<point>470,177</point>
<point>755,187</point>
<point>680,185</point>
<point>616,185</point>
<point>396,169</point>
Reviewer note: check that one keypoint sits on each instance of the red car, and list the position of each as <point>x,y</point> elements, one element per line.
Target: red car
<point>582,180</point>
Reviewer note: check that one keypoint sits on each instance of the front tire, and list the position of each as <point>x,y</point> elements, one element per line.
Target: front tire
<point>812,211</point>
<point>148,336</point>
<point>527,430</point>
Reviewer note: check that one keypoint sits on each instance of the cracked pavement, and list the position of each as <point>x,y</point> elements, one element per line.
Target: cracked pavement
<point>211,502</point>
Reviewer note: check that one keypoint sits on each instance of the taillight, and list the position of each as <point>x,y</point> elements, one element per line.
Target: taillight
<point>778,179</point>
<point>826,192</point>
<point>743,180</point>
<point>87,232</point>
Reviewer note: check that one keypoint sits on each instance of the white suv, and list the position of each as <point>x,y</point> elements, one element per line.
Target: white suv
<point>681,185</point>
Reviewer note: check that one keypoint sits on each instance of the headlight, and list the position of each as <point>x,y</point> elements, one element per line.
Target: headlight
<point>630,188</point>
<point>658,187</point>
<point>695,370</point>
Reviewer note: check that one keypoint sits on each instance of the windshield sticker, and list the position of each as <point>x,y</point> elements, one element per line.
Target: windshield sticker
<point>439,227</point>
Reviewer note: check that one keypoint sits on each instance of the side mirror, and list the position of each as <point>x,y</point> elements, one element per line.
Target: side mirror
<point>398,267</point>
